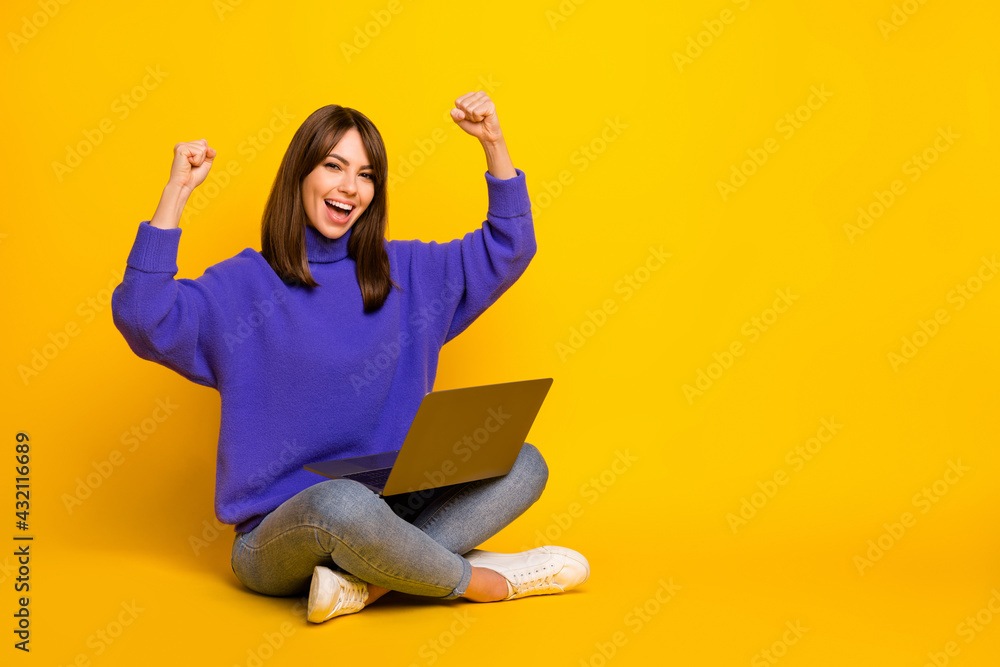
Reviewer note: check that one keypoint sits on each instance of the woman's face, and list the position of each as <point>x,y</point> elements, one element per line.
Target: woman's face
<point>345,176</point>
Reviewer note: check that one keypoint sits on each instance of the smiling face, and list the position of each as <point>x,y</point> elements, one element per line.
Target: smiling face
<point>346,176</point>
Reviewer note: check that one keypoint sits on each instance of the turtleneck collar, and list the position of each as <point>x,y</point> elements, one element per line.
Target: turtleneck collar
<point>320,249</point>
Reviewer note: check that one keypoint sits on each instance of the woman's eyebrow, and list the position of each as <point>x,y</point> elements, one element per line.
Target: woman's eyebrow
<point>345,161</point>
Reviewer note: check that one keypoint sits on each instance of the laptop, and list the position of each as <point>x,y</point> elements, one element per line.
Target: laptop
<point>458,435</point>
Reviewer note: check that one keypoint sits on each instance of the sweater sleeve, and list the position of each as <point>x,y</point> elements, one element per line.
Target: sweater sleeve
<point>469,274</point>
<point>165,320</point>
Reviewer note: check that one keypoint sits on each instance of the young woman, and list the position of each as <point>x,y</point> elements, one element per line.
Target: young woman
<point>322,346</point>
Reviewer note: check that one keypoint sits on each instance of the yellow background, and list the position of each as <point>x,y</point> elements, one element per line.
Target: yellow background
<point>653,182</point>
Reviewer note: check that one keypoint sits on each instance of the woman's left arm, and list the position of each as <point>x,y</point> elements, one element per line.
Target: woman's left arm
<point>458,280</point>
<point>476,114</point>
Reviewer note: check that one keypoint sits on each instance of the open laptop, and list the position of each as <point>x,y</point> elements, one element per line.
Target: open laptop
<point>457,435</point>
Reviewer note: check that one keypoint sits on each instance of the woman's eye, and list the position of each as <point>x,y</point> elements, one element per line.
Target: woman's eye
<point>371,177</point>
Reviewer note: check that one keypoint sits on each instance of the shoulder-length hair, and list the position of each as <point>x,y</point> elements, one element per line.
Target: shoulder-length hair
<point>282,230</point>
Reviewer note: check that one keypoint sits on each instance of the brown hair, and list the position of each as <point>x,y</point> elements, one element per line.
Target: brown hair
<point>282,229</point>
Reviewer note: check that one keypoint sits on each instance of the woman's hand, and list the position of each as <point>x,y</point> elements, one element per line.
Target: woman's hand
<point>476,114</point>
<point>192,162</point>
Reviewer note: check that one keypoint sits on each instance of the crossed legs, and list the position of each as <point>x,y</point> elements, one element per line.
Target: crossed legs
<point>411,543</point>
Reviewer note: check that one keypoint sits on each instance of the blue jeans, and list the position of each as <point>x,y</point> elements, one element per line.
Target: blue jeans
<point>409,542</point>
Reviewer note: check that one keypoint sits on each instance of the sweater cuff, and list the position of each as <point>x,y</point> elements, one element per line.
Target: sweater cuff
<point>155,249</point>
<point>508,197</point>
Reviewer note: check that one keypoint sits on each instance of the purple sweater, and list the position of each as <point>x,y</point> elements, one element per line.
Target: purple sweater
<point>303,373</point>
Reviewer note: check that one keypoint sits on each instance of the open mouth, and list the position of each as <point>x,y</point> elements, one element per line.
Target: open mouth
<point>336,213</point>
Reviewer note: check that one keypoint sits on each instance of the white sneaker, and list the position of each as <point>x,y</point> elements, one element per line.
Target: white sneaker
<point>334,594</point>
<point>539,571</point>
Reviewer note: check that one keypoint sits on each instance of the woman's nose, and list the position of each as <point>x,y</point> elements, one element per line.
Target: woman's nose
<point>348,185</point>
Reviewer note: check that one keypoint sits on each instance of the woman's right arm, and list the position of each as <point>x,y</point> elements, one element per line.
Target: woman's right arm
<point>173,322</point>
<point>191,164</point>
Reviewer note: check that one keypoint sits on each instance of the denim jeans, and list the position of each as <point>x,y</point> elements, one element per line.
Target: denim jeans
<point>409,542</point>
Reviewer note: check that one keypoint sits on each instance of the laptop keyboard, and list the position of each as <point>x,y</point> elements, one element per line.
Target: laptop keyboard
<point>374,477</point>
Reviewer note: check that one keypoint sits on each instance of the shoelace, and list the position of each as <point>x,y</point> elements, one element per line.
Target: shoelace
<point>535,579</point>
<point>352,596</point>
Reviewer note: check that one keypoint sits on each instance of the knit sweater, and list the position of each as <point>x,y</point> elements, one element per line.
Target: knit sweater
<point>303,373</point>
